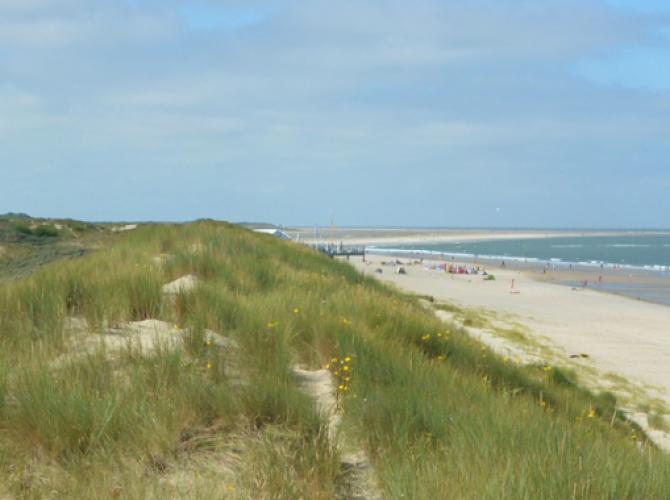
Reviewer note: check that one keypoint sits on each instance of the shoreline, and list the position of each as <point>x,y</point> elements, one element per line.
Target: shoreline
<point>404,236</point>
<point>616,343</point>
<point>644,284</point>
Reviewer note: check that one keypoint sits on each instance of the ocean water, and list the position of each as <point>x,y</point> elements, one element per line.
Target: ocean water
<point>631,250</point>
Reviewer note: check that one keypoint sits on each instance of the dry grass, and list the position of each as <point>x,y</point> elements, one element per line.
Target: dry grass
<point>434,410</point>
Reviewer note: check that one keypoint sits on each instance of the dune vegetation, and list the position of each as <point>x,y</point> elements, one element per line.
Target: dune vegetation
<point>27,243</point>
<point>211,407</point>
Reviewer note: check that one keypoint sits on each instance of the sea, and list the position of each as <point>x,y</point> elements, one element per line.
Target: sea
<point>641,251</point>
<point>641,254</point>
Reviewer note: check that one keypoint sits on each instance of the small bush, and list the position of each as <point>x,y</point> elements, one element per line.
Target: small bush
<point>23,228</point>
<point>46,231</point>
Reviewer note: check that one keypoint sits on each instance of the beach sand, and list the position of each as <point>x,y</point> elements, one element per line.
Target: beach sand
<point>622,344</point>
<point>402,236</point>
<point>642,284</point>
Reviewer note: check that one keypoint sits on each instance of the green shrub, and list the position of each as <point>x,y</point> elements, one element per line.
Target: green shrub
<point>23,228</point>
<point>46,231</point>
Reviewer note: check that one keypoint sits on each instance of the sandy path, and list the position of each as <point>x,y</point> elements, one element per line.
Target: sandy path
<point>620,335</point>
<point>357,479</point>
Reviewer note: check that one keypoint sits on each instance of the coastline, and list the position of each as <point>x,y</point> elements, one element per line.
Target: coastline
<point>407,236</point>
<point>620,344</point>
<point>636,282</point>
<point>648,285</point>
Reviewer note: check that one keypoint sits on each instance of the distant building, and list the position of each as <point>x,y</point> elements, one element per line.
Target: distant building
<point>274,232</point>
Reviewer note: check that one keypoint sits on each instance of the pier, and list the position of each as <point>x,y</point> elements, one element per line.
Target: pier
<point>338,249</point>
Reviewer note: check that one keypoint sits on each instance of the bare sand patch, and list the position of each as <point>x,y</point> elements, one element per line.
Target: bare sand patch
<point>357,479</point>
<point>125,227</point>
<point>160,259</point>
<point>145,337</point>
<point>319,385</point>
<point>180,285</point>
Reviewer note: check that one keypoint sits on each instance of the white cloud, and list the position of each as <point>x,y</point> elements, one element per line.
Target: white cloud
<point>319,88</point>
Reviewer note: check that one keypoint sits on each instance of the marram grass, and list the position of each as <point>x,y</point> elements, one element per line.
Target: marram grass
<point>439,415</point>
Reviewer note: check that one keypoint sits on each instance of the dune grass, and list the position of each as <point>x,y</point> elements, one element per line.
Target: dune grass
<point>439,414</point>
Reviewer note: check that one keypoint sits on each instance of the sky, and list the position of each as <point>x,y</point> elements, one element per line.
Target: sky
<point>480,113</point>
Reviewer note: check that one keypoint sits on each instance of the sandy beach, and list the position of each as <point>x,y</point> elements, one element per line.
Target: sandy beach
<point>641,284</point>
<point>616,335</point>
<point>402,236</point>
<point>620,334</point>
<point>614,342</point>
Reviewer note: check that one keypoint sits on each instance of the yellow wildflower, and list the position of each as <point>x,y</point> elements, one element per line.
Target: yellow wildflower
<point>592,413</point>
<point>209,365</point>
<point>347,359</point>
<point>296,310</point>
<point>345,368</point>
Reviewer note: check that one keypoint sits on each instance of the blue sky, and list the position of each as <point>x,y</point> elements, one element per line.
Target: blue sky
<point>434,113</point>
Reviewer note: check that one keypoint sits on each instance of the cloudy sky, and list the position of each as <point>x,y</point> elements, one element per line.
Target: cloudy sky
<point>516,113</point>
